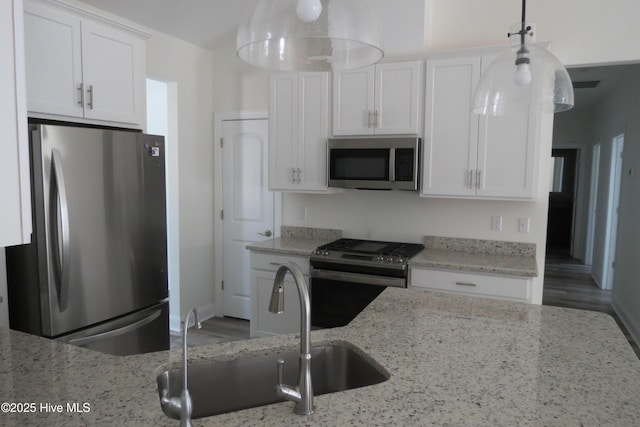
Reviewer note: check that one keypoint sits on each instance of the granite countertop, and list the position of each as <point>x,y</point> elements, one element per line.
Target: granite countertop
<point>287,246</point>
<point>510,265</point>
<point>476,255</point>
<point>453,360</point>
<point>300,241</point>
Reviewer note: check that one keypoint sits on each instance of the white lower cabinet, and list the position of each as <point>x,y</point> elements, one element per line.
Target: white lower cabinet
<point>263,271</point>
<point>501,287</point>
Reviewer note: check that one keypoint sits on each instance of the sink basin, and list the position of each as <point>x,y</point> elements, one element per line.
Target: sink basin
<point>218,387</point>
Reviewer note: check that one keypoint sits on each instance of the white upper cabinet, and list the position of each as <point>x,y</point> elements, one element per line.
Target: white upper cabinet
<point>81,68</point>
<point>298,130</point>
<point>466,155</point>
<point>384,99</point>
<point>15,221</point>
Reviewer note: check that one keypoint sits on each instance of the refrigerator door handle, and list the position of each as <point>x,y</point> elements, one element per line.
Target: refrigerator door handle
<point>82,341</point>
<point>59,229</point>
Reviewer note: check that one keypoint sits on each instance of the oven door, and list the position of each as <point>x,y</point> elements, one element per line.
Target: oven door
<point>338,297</point>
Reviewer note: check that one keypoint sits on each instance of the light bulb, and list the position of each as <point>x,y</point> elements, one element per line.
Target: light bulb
<point>522,77</point>
<point>308,10</point>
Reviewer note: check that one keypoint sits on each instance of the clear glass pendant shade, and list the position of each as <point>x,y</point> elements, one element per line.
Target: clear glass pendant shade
<point>310,35</point>
<point>524,78</point>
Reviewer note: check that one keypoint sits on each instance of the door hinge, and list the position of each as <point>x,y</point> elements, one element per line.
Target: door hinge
<point>221,142</point>
<point>222,283</point>
<point>613,264</point>
<point>222,214</point>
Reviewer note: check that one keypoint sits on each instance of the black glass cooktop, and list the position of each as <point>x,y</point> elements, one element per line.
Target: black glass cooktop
<point>374,247</point>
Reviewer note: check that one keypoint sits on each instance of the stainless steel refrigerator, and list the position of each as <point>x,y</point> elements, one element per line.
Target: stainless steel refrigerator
<point>95,273</point>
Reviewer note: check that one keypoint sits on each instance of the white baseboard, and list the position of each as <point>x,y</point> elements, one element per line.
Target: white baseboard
<point>204,312</point>
<point>634,330</point>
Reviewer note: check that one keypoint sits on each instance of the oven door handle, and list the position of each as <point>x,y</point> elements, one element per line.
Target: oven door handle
<point>365,279</point>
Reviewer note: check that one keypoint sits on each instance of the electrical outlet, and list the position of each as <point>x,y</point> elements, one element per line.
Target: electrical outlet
<point>496,223</point>
<point>302,213</point>
<point>523,225</point>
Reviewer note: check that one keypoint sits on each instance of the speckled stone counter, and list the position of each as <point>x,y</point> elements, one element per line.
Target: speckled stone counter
<point>299,241</point>
<point>474,255</point>
<point>453,360</point>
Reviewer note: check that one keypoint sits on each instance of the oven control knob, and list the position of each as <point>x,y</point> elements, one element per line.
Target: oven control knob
<point>389,259</point>
<point>380,258</point>
<point>399,260</point>
<point>325,253</point>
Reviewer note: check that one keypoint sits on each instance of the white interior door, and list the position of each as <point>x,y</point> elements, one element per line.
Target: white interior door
<point>614,207</point>
<point>248,207</point>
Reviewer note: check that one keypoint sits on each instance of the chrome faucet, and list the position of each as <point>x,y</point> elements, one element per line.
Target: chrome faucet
<point>303,393</point>
<point>183,405</point>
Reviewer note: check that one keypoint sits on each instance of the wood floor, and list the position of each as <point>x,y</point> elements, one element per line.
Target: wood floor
<point>568,283</point>
<point>214,331</point>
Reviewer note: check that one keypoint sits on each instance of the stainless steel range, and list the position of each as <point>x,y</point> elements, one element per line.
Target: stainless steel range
<point>347,274</point>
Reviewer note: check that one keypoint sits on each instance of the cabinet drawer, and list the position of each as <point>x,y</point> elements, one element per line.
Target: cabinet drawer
<point>270,262</point>
<point>513,288</point>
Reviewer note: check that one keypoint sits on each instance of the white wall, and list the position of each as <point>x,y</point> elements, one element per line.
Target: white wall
<point>581,31</point>
<point>190,67</point>
<point>618,114</point>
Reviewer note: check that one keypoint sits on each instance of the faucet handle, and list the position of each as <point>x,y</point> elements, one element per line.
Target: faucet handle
<point>280,369</point>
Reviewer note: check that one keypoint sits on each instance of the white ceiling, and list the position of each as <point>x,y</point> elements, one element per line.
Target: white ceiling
<point>200,22</point>
<point>609,76</point>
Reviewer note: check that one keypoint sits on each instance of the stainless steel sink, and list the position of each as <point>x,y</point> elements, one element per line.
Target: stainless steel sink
<point>218,387</point>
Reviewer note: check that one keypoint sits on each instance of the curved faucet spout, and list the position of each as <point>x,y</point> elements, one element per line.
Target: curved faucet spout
<point>303,394</point>
<point>185,405</point>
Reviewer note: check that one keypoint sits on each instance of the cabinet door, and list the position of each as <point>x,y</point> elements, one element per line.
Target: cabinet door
<point>353,101</point>
<point>283,131</point>
<point>397,98</point>
<point>113,74</point>
<point>313,129</point>
<point>263,322</point>
<point>15,221</point>
<point>507,154</point>
<point>53,61</point>
<point>451,130</point>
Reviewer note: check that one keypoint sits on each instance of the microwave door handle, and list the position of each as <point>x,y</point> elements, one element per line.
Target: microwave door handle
<point>392,164</point>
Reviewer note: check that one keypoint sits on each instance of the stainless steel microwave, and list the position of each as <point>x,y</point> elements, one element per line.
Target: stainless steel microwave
<point>391,163</point>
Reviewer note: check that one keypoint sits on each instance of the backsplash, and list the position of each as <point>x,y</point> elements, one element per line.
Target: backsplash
<point>493,247</point>
<point>327,234</point>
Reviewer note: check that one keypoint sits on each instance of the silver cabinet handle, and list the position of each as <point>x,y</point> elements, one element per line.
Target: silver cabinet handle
<point>466,284</point>
<point>478,175</point>
<point>81,97</point>
<point>90,92</point>
<point>369,121</point>
<point>266,233</point>
<point>470,178</point>
<point>59,229</point>
<point>376,115</point>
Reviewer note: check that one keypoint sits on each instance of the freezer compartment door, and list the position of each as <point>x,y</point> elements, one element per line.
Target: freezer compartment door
<point>140,332</point>
<point>101,224</point>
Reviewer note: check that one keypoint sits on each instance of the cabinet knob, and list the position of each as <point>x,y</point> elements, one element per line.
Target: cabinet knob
<point>266,233</point>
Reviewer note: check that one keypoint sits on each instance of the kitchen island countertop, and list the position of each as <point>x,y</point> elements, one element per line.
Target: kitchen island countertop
<point>453,360</point>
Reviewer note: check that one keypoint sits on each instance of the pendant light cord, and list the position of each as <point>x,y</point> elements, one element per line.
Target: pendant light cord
<point>523,31</point>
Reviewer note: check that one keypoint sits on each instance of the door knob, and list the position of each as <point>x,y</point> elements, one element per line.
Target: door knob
<point>266,233</point>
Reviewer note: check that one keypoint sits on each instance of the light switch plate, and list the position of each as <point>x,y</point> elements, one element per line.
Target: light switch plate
<point>523,225</point>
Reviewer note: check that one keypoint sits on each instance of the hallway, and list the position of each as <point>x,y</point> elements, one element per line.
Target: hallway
<point>568,283</point>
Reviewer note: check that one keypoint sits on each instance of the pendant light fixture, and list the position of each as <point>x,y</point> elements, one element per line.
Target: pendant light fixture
<point>524,78</point>
<point>310,35</point>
